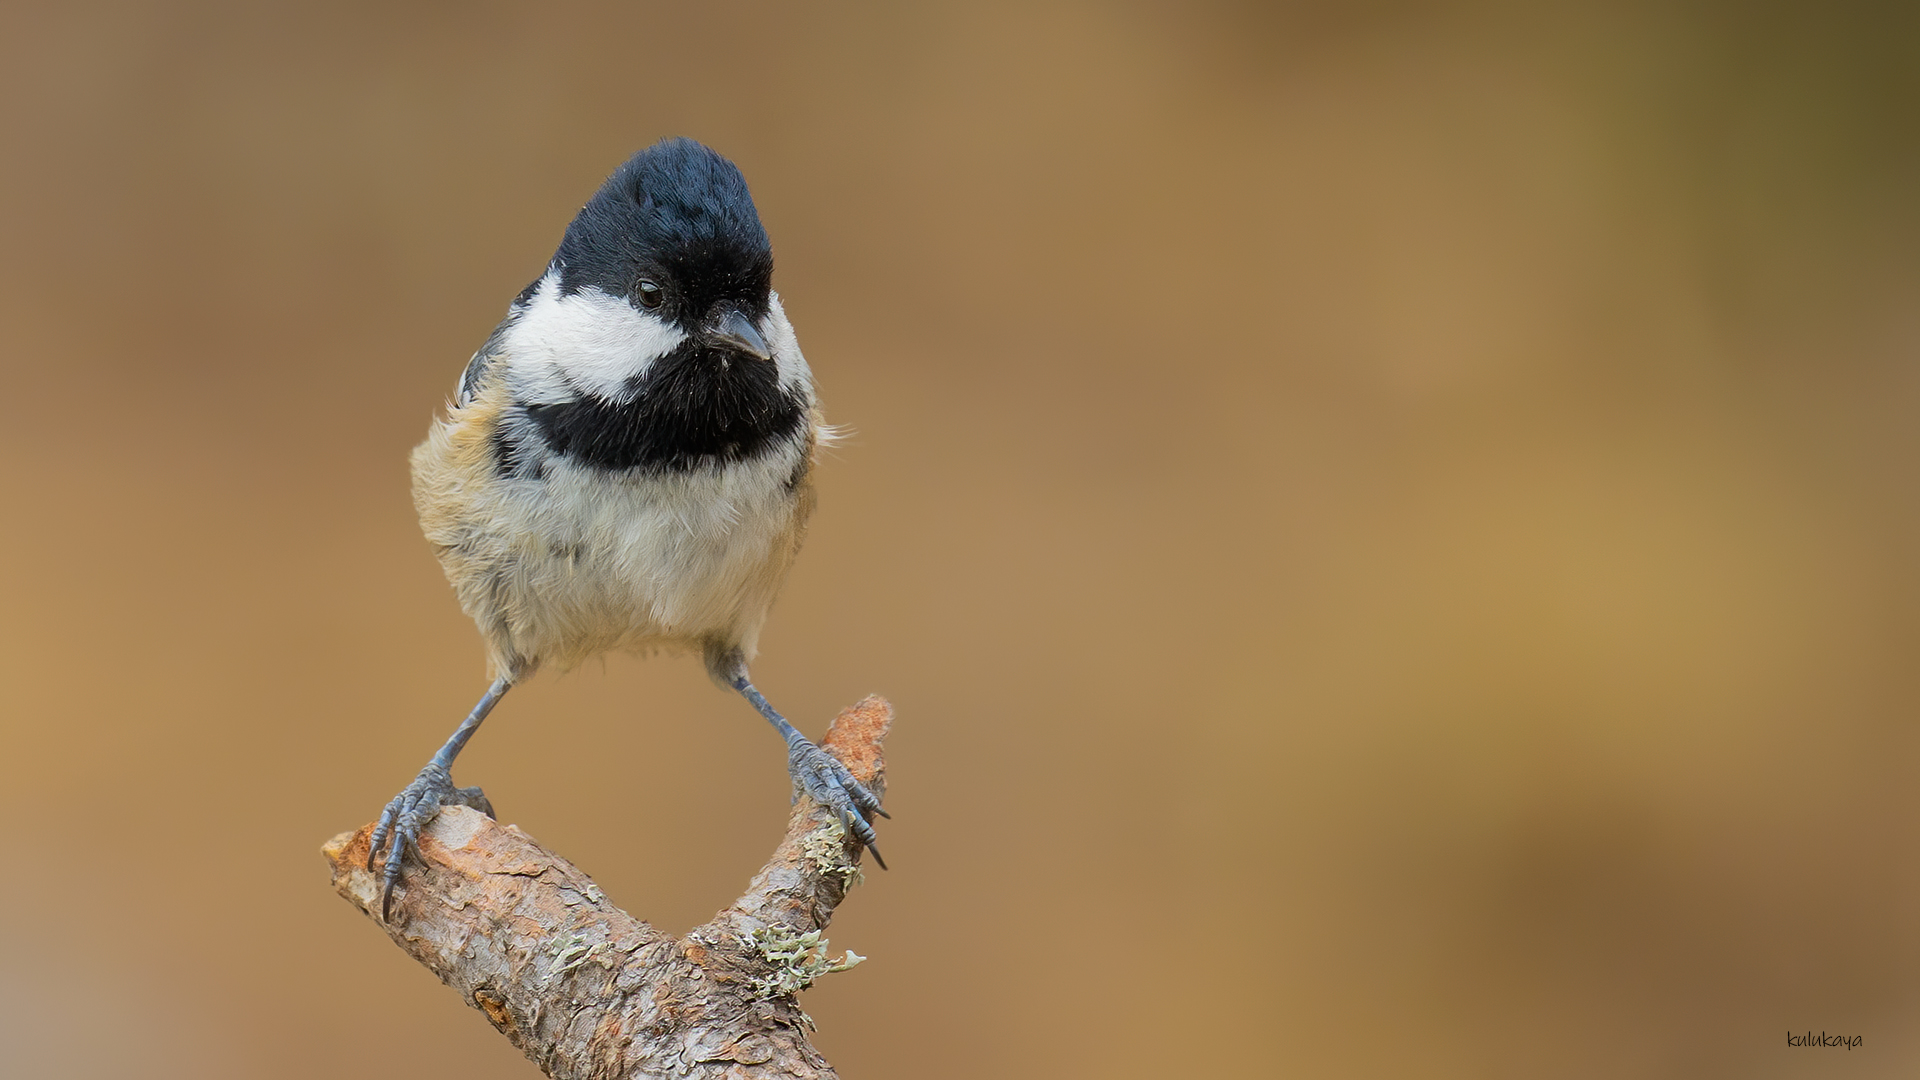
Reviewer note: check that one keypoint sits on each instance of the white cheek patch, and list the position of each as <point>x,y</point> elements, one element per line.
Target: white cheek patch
<point>589,340</point>
<point>785,346</point>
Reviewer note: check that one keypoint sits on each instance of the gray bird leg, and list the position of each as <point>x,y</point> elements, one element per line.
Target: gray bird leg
<point>819,773</point>
<point>409,813</point>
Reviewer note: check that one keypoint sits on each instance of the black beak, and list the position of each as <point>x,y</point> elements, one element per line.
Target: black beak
<point>734,329</point>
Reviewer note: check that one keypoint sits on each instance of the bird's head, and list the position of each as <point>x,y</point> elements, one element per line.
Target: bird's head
<point>655,338</point>
<point>673,232</point>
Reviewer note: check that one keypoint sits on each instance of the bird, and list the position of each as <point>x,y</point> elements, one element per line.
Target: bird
<point>627,465</point>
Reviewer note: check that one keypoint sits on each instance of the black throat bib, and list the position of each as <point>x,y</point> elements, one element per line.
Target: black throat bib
<point>698,406</point>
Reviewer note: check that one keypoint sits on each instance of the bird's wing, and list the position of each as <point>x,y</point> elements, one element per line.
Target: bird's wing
<point>484,361</point>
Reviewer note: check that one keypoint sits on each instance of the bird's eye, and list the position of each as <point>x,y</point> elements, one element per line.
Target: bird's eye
<point>651,295</point>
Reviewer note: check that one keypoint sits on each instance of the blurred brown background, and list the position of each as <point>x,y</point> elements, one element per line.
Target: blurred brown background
<point>1391,528</point>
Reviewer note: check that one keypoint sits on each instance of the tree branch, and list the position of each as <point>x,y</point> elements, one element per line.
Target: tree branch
<point>586,990</point>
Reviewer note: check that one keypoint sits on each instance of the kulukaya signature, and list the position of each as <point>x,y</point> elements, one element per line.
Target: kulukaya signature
<point>1823,1039</point>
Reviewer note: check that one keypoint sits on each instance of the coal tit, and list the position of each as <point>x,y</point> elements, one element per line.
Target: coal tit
<point>626,462</point>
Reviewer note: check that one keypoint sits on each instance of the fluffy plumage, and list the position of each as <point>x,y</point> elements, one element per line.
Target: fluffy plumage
<point>626,462</point>
<point>613,476</point>
<point>564,544</point>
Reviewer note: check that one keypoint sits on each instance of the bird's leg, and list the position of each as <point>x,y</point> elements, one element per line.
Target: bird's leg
<point>410,811</point>
<point>819,773</point>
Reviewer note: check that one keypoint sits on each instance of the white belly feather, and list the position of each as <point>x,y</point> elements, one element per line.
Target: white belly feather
<point>640,562</point>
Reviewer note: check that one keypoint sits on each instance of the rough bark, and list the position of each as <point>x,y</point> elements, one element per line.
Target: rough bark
<point>586,990</point>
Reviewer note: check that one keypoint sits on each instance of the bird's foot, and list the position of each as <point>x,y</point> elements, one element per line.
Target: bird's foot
<point>409,814</point>
<point>822,776</point>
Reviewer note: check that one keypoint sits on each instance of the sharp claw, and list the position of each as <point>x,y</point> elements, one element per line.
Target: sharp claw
<point>828,781</point>
<point>391,875</point>
<point>379,837</point>
<point>866,801</point>
<point>406,817</point>
<point>856,791</point>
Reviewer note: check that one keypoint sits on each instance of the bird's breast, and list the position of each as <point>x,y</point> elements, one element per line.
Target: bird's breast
<point>612,557</point>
